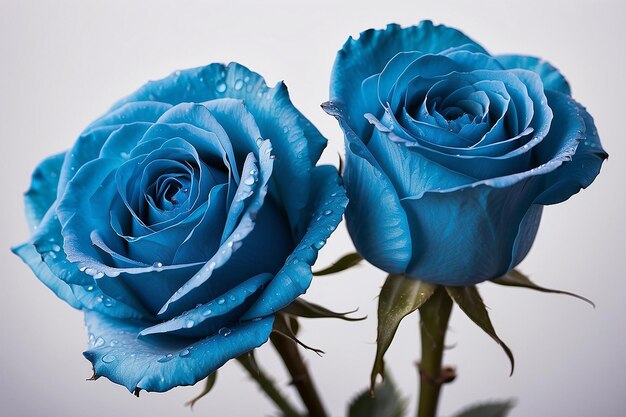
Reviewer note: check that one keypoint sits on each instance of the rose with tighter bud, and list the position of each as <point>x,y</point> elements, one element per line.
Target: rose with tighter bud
<point>180,221</point>
<point>451,153</point>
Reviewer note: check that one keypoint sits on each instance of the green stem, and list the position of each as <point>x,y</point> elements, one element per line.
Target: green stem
<point>267,385</point>
<point>300,376</point>
<point>434,316</point>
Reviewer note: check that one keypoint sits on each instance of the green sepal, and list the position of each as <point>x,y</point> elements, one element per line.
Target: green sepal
<point>388,402</point>
<point>306,309</point>
<point>399,297</point>
<point>515,278</point>
<point>343,263</point>
<point>469,300</point>
<point>492,409</point>
<point>287,326</point>
<point>208,386</point>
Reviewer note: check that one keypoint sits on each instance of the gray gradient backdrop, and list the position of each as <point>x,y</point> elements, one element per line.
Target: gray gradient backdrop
<point>63,64</point>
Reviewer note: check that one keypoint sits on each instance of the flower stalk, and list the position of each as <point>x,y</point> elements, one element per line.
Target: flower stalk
<point>434,317</point>
<point>300,376</point>
<point>268,387</point>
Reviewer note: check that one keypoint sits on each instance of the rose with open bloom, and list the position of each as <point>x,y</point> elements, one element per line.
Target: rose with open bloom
<point>181,220</point>
<point>451,153</point>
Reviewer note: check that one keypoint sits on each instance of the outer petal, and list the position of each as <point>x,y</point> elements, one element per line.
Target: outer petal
<point>32,258</point>
<point>369,53</point>
<point>551,77</point>
<point>381,236</point>
<point>581,170</point>
<point>118,354</point>
<point>328,204</point>
<point>471,235</point>
<point>42,192</point>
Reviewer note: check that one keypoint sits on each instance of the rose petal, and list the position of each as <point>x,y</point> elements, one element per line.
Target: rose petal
<point>118,354</point>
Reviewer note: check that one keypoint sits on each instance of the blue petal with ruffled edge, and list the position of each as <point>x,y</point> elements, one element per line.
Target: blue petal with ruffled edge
<point>42,191</point>
<point>32,258</point>
<point>551,77</point>
<point>369,53</point>
<point>327,206</point>
<point>117,353</point>
<point>381,236</point>
<point>585,164</point>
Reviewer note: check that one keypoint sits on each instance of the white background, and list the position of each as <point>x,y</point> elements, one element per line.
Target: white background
<point>63,64</point>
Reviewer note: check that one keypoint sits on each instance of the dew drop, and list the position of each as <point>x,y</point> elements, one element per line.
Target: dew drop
<point>224,331</point>
<point>328,212</point>
<point>108,358</point>
<point>158,266</point>
<point>184,353</point>
<point>249,180</point>
<point>166,358</point>
<point>189,324</point>
<point>320,244</point>
<point>56,248</point>
<point>238,84</point>
<point>207,313</point>
<point>221,301</point>
<point>108,302</point>
<point>231,297</point>
<point>98,275</point>
<point>114,343</point>
<point>259,141</point>
<point>285,129</point>
<point>99,342</point>
<point>220,87</point>
<point>125,155</point>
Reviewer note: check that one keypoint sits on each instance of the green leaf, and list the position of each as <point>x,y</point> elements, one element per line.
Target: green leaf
<point>345,262</point>
<point>515,278</point>
<point>493,409</point>
<point>469,300</point>
<point>302,308</point>
<point>208,386</point>
<point>399,297</point>
<point>388,402</point>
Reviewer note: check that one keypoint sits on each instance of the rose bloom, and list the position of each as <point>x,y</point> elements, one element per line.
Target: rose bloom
<point>180,221</point>
<point>451,153</point>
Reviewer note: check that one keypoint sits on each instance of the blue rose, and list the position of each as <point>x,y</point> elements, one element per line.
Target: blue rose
<point>451,153</point>
<point>180,221</point>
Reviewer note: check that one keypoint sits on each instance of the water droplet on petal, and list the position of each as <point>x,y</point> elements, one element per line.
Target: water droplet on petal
<point>114,343</point>
<point>285,129</point>
<point>166,358</point>
<point>207,313</point>
<point>98,275</point>
<point>249,180</point>
<point>189,324</point>
<point>319,244</point>
<point>184,353</point>
<point>221,301</point>
<point>328,212</point>
<point>220,87</point>
<point>231,297</point>
<point>224,331</point>
<point>108,302</point>
<point>108,358</point>
<point>238,84</point>
<point>158,266</point>
<point>99,342</point>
